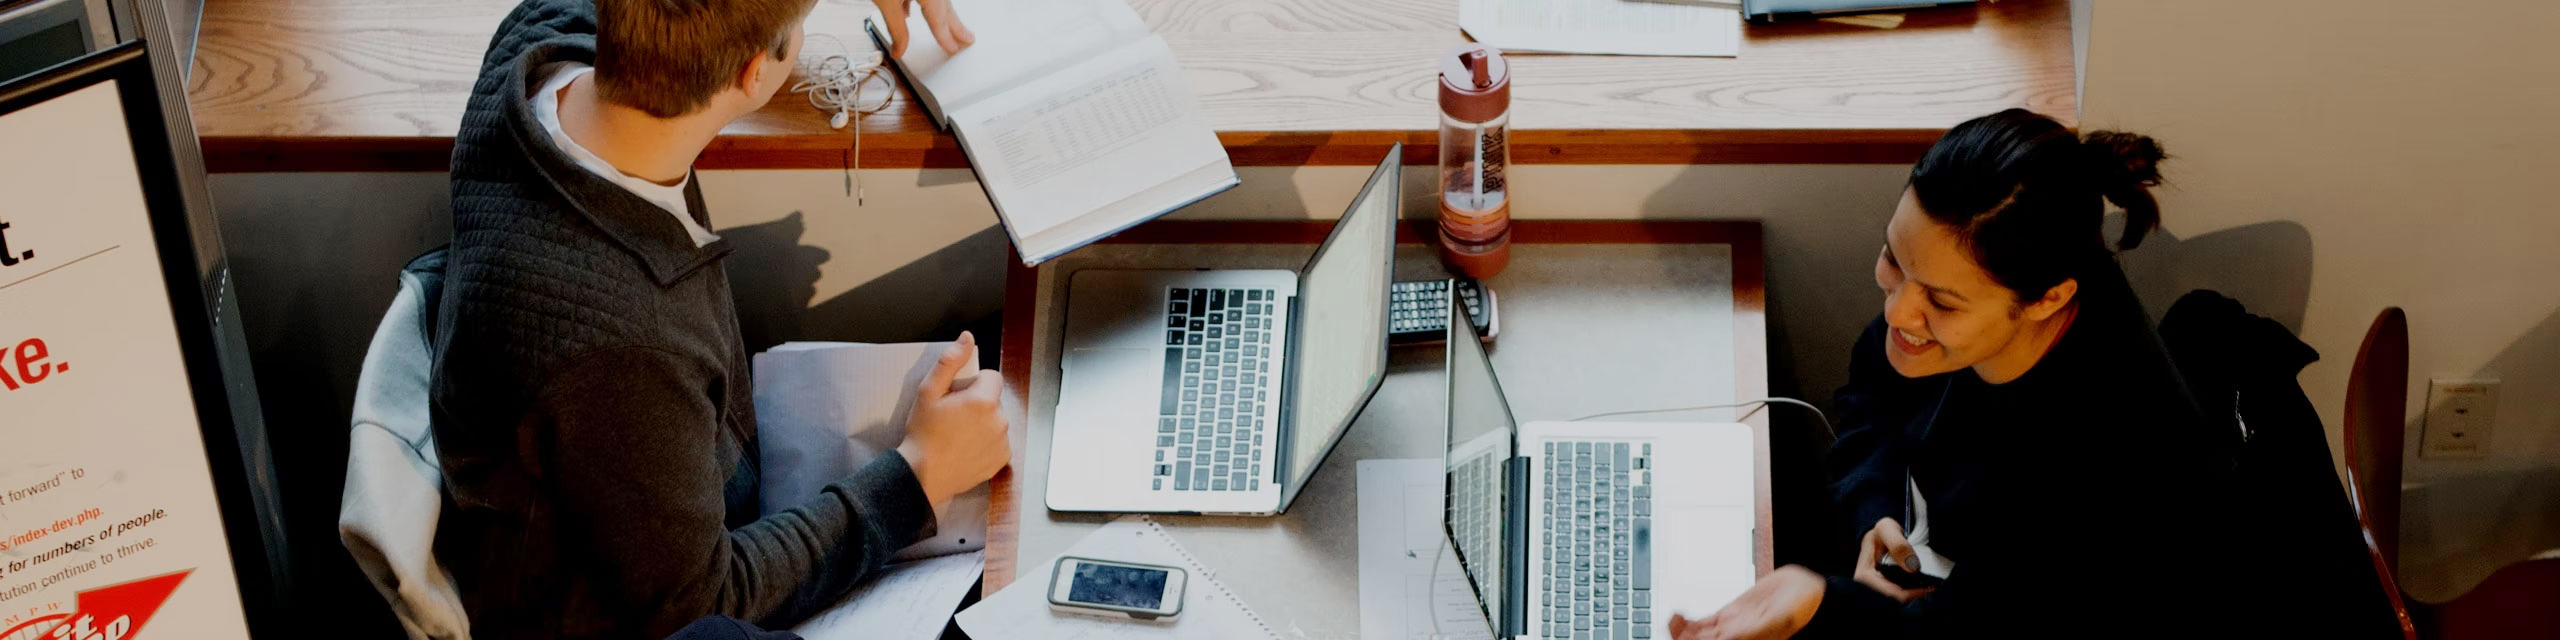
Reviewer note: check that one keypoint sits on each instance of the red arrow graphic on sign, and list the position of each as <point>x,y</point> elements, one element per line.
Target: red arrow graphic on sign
<point>113,612</point>
<point>126,606</point>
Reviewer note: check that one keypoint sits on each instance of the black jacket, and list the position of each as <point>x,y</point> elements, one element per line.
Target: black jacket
<point>2304,569</point>
<point>2073,501</point>
<point>592,400</point>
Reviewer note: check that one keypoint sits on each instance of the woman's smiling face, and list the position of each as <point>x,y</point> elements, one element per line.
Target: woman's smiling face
<point>1943,310</point>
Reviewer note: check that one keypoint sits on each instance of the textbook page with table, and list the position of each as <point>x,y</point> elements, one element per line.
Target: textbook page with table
<point>1078,121</point>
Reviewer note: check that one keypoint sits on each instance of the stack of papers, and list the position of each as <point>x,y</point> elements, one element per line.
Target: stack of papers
<point>909,601</point>
<point>825,409</point>
<point>1606,27</point>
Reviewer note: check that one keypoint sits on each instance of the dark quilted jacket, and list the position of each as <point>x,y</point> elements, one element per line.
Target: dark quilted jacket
<point>592,399</point>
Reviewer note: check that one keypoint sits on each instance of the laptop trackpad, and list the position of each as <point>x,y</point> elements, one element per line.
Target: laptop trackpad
<point>1120,383</point>
<point>1702,557</point>
<point>1112,385</point>
<point>1106,422</point>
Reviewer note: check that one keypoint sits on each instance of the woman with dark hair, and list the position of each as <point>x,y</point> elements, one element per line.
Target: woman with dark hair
<point>2018,456</point>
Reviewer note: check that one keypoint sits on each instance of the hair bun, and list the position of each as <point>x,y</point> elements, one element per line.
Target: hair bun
<point>2132,156</point>
<point>2129,166</point>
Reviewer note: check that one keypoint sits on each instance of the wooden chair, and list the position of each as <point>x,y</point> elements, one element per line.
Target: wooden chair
<point>2377,403</point>
<point>2515,602</point>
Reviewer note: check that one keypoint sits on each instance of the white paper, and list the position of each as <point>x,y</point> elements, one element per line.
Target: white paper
<point>911,601</point>
<point>1095,147</point>
<point>825,409</point>
<point>105,486</point>
<point>1078,122</point>
<point>1608,27</point>
<point>1209,611</point>
<point>1411,585</point>
<point>1017,40</point>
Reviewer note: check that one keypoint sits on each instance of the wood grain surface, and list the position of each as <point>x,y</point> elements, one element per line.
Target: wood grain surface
<point>1750,327</point>
<point>352,85</point>
<point>1013,360</point>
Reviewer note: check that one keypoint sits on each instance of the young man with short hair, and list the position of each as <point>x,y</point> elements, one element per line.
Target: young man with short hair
<point>592,404</point>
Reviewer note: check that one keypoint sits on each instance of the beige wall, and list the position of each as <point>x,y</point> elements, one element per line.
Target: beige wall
<point>2334,157</point>
<point>2413,148</point>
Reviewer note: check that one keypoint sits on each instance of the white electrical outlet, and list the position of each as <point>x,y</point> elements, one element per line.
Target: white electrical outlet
<point>2460,416</point>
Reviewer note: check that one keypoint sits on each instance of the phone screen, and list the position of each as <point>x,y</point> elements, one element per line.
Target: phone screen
<point>1117,586</point>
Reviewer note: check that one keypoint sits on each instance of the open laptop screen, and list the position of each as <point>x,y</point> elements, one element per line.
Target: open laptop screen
<point>1480,443</point>
<point>1341,338</point>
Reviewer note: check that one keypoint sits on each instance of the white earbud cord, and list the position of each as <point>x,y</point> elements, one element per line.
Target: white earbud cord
<point>835,84</point>
<point>1756,406</point>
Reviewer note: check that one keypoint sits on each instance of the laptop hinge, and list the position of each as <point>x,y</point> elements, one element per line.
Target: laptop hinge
<point>1515,550</point>
<point>1284,438</point>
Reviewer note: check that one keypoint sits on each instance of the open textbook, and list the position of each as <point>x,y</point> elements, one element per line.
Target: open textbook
<point>1078,121</point>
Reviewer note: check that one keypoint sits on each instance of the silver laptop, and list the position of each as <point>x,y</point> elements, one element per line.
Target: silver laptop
<point>1592,530</point>
<point>1218,391</point>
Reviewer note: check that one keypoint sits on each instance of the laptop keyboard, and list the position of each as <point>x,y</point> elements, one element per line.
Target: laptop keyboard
<point>1599,535</point>
<point>1472,524</point>
<point>1217,389</point>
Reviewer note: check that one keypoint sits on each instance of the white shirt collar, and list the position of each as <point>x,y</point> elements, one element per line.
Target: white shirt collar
<point>546,108</point>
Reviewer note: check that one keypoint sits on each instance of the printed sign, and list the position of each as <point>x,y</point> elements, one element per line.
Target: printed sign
<point>109,525</point>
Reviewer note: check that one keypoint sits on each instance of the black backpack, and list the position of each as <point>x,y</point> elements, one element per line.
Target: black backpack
<point>2296,552</point>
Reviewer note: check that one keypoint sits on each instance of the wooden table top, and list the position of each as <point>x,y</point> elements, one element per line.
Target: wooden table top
<point>1750,333</point>
<point>379,85</point>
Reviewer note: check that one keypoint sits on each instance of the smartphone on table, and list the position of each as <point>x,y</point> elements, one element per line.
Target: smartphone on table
<point>1094,587</point>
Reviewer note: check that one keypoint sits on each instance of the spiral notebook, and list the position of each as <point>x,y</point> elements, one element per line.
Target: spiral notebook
<point>1209,610</point>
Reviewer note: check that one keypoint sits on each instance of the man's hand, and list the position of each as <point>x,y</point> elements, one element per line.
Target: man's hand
<point>937,16</point>
<point>1772,609</point>
<point>1885,541</point>
<point>956,435</point>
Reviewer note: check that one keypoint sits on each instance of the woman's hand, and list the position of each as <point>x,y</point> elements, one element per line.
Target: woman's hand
<point>1774,608</point>
<point>938,16</point>
<point>956,436</point>
<point>1885,541</point>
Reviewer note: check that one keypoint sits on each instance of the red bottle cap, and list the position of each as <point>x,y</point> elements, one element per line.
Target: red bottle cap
<point>1475,83</point>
